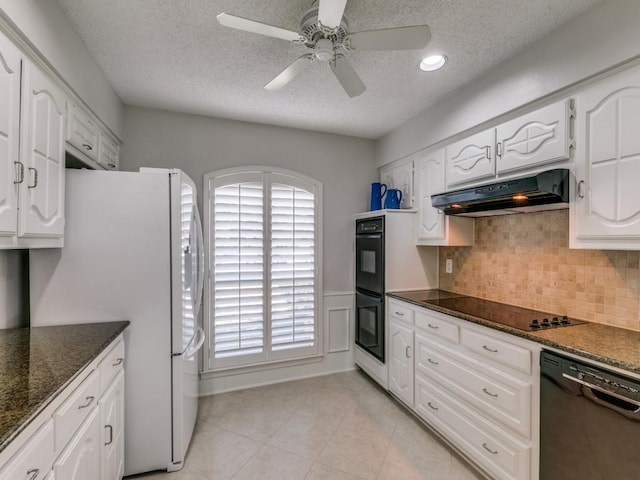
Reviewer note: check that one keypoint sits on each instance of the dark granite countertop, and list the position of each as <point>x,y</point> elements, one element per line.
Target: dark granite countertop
<point>607,344</point>
<point>36,364</point>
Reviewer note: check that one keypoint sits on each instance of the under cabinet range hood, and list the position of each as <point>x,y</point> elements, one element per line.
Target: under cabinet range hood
<point>548,190</point>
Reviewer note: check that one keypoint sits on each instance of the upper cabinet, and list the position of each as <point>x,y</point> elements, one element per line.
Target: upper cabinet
<point>82,132</point>
<point>540,137</point>
<point>534,139</point>
<point>605,212</point>
<point>31,154</point>
<point>435,228</point>
<point>399,176</point>
<point>471,159</point>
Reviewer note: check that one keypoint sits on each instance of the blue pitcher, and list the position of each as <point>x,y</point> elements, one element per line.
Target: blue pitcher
<point>394,199</point>
<point>377,192</point>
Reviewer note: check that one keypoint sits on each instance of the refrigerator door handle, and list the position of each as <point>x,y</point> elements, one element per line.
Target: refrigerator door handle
<point>190,352</point>
<point>200,243</point>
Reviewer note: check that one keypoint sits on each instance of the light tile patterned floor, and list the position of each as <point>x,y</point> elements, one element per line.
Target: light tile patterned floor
<point>336,427</point>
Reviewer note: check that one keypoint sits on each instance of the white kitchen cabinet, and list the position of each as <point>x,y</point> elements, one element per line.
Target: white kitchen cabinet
<point>399,176</point>
<point>10,168</point>
<point>42,132</point>
<point>401,360</point>
<point>34,460</point>
<point>112,430</point>
<point>605,212</point>
<point>435,228</point>
<point>536,138</point>
<point>471,159</point>
<point>31,154</point>
<point>82,132</point>
<point>81,458</point>
<point>108,151</point>
<point>476,386</point>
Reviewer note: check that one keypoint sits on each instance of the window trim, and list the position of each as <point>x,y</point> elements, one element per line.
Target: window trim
<point>268,175</point>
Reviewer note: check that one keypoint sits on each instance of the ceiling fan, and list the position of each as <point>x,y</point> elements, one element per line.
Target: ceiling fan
<point>325,30</point>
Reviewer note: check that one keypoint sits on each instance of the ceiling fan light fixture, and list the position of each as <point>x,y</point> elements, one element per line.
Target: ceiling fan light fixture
<point>324,50</point>
<point>432,63</point>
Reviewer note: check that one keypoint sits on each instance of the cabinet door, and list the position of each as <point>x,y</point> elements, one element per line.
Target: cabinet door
<point>34,459</point>
<point>112,433</point>
<point>607,203</point>
<point>471,159</point>
<point>535,138</point>
<point>108,152</point>
<point>401,361</point>
<point>430,180</point>
<point>82,133</point>
<point>400,177</point>
<point>42,192</point>
<point>81,458</point>
<point>10,168</point>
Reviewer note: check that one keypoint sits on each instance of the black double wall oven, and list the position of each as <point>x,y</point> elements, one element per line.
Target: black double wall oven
<point>370,286</point>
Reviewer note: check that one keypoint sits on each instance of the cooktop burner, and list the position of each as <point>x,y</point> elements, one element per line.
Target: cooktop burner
<point>516,317</point>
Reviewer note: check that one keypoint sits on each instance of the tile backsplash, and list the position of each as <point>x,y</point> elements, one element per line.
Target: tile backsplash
<point>525,260</point>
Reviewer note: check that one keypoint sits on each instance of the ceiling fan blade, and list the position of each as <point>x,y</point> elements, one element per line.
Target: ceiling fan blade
<point>347,76</point>
<point>289,73</point>
<point>330,12</point>
<point>401,38</point>
<point>252,26</point>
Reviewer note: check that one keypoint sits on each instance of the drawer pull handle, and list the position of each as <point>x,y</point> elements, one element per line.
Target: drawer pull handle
<point>486,447</point>
<point>110,434</point>
<point>86,146</point>
<point>431,406</point>
<point>35,178</point>
<point>432,362</point>
<point>33,473</point>
<point>21,175</point>
<point>489,349</point>
<point>89,401</point>
<point>400,314</point>
<point>435,327</point>
<point>494,395</point>
<point>118,362</point>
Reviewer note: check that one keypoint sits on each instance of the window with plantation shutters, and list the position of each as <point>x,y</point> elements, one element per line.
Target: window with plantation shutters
<point>263,249</point>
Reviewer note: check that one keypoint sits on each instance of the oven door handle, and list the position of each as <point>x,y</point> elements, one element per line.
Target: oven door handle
<point>632,413</point>
<point>376,236</point>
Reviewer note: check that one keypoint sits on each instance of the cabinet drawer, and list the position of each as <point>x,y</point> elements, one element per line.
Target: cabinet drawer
<point>75,409</point>
<point>500,397</point>
<point>498,350</point>
<point>438,327</point>
<point>111,365</point>
<point>82,133</point>
<point>500,455</point>
<point>34,459</point>
<point>400,311</point>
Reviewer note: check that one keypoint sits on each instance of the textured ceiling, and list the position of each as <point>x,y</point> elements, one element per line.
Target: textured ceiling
<point>174,55</point>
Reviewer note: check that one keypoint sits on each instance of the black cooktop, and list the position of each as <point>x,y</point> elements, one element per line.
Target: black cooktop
<point>516,317</point>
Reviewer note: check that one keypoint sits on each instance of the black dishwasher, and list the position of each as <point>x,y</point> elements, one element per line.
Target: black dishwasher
<point>589,422</point>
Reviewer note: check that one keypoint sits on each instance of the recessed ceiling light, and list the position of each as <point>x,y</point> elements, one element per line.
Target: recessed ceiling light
<point>433,62</point>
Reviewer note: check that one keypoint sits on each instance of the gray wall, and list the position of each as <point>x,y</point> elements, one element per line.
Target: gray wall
<point>198,145</point>
<point>596,40</point>
<point>11,311</point>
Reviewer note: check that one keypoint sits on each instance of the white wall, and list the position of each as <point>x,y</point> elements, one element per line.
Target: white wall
<point>598,39</point>
<point>198,145</point>
<point>10,289</point>
<point>47,28</point>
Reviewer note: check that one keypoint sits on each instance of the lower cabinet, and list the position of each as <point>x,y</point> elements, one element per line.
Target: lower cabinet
<point>82,438</point>
<point>475,386</point>
<point>81,459</point>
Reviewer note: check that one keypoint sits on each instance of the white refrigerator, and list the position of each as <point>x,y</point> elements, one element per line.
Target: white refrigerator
<point>133,251</point>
